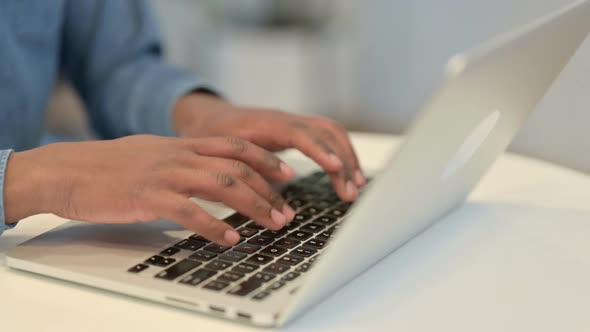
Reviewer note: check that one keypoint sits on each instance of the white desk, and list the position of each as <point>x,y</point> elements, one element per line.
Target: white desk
<point>395,295</point>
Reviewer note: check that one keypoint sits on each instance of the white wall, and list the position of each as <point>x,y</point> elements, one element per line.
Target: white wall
<point>404,45</point>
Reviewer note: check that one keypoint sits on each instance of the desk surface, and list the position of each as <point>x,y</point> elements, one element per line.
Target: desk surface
<point>35,303</point>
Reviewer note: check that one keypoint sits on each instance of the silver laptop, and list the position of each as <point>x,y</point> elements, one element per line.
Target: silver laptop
<point>272,277</point>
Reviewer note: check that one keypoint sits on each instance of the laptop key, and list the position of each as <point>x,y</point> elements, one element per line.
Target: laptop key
<point>273,251</point>
<point>218,265</point>
<point>302,251</point>
<point>297,203</point>
<point>190,244</point>
<point>315,244</point>
<point>199,238</point>
<point>203,255</point>
<point>274,234</point>
<point>197,277</point>
<point>160,261</point>
<point>299,235</point>
<point>293,225</point>
<point>325,235</point>
<point>245,268</point>
<point>254,225</point>
<point>261,296</point>
<point>290,260</point>
<point>287,243</point>
<point>337,212</point>
<point>215,286</point>
<point>290,276</point>
<point>216,248</point>
<point>230,277</point>
<point>247,248</point>
<point>169,252</point>
<point>247,231</point>
<point>261,241</point>
<point>302,217</point>
<point>263,277</point>
<point>312,228</point>
<point>178,269</point>
<point>276,268</point>
<point>276,286</point>
<point>138,268</point>
<point>245,287</point>
<point>236,220</point>
<point>326,220</point>
<point>313,210</point>
<point>259,259</point>
<point>233,256</point>
<point>303,268</point>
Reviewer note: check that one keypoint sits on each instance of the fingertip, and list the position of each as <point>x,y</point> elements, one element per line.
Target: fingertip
<point>286,170</point>
<point>231,237</point>
<point>360,179</point>
<point>351,191</point>
<point>279,219</point>
<point>288,212</point>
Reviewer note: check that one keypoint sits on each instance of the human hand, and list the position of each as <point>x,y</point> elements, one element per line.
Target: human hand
<point>325,142</point>
<point>148,178</point>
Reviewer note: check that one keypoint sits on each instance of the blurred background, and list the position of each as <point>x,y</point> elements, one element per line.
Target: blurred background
<point>368,64</point>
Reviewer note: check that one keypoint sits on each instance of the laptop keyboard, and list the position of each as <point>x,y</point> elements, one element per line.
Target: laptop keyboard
<point>263,261</point>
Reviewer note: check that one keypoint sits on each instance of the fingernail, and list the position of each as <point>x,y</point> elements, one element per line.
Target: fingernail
<point>278,218</point>
<point>288,212</point>
<point>359,178</point>
<point>285,169</point>
<point>231,236</point>
<point>351,190</point>
<point>334,160</point>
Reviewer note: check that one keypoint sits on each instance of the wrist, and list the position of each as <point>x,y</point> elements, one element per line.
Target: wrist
<point>194,114</point>
<point>22,188</point>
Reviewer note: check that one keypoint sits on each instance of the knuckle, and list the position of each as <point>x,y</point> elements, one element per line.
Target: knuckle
<point>237,144</point>
<point>243,170</point>
<point>262,207</point>
<point>298,124</point>
<point>272,160</point>
<point>225,180</point>
<point>186,211</point>
<point>275,199</point>
<point>326,134</point>
<point>324,146</point>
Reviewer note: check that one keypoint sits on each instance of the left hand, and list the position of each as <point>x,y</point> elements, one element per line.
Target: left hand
<point>322,140</point>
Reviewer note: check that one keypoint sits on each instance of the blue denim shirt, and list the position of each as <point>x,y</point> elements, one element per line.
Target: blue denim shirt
<point>109,50</point>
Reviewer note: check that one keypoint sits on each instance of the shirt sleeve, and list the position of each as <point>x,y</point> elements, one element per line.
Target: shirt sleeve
<point>112,53</point>
<point>4,154</point>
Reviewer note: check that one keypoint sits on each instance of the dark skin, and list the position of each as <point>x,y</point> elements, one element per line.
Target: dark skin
<point>224,154</point>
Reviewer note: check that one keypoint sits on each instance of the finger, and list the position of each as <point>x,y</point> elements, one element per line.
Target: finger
<point>264,162</point>
<point>345,188</point>
<point>338,139</point>
<point>248,176</point>
<point>188,214</point>
<point>233,192</point>
<point>319,151</point>
<point>342,139</point>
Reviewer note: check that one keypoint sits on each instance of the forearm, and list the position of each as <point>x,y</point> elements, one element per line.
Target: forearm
<point>112,53</point>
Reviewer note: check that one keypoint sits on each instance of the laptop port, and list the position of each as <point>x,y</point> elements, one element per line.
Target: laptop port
<point>216,309</point>
<point>244,316</point>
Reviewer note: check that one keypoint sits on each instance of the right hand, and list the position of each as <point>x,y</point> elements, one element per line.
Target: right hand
<point>148,178</point>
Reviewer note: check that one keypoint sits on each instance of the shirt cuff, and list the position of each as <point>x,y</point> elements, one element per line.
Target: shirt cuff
<point>162,87</point>
<point>4,155</point>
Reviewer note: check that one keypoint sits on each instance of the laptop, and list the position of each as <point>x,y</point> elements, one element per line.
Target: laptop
<point>272,277</point>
